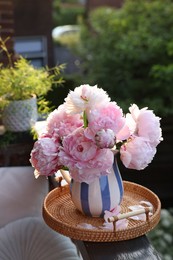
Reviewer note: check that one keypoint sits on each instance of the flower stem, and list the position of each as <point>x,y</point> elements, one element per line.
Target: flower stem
<point>85,119</point>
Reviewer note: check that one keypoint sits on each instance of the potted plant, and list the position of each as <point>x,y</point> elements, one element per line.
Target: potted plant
<point>22,88</point>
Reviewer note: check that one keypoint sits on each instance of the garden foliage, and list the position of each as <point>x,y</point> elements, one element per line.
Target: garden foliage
<point>67,12</point>
<point>129,52</point>
<point>162,236</point>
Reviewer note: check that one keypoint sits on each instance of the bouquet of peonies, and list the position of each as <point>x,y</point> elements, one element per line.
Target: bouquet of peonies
<point>87,131</point>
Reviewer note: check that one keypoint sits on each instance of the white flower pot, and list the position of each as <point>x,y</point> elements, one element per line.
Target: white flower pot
<point>20,115</point>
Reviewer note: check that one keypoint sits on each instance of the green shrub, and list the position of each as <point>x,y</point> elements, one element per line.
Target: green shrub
<point>20,80</point>
<point>64,14</point>
<point>69,40</point>
<point>129,52</point>
<point>162,236</point>
<point>57,96</point>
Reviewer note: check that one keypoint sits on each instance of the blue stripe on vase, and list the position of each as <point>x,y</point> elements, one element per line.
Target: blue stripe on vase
<point>105,193</point>
<point>71,184</point>
<point>119,180</point>
<point>85,198</point>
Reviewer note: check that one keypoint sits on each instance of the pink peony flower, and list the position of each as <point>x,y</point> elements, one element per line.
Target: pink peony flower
<point>145,124</point>
<point>86,132</point>
<point>123,134</point>
<point>60,124</point>
<point>136,153</point>
<point>83,158</point>
<point>44,156</point>
<point>105,138</point>
<point>109,116</point>
<point>106,117</point>
<point>85,98</point>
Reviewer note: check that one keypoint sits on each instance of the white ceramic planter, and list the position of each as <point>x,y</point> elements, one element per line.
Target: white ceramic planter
<point>20,115</point>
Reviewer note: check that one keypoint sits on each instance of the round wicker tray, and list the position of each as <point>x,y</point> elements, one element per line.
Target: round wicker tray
<point>61,215</point>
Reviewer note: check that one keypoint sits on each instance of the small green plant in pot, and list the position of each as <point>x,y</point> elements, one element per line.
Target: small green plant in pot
<point>22,88</point>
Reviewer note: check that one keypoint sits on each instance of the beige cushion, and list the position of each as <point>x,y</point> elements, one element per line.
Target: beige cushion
<point>31,239</point>
<point>21,195</point>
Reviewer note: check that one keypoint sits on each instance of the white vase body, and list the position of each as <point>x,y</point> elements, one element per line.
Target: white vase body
<point>105,193</point>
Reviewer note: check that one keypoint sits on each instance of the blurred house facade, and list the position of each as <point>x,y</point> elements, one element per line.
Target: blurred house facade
<point>25,19</point>
<point>6,25</point>
<point>96,3</point>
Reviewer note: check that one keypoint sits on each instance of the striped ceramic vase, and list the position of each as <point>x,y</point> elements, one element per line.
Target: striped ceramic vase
<point>105,193</point>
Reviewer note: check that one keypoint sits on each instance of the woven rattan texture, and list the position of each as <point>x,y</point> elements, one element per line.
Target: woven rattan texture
<point>61,215</point>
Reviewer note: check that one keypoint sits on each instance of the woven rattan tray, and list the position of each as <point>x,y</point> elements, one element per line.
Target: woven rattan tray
<point>61,215</point>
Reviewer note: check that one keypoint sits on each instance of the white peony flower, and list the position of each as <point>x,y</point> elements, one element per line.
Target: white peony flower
<point>85,98</point>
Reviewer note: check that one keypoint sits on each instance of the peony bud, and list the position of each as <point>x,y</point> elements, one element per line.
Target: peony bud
<point>105,138</point>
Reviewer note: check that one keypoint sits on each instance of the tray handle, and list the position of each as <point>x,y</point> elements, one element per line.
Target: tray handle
<point>145,210</point>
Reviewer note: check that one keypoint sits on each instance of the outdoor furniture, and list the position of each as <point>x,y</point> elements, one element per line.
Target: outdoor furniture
<point>138,248</point>
<point>30,239</point>
<point>23,233</point>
